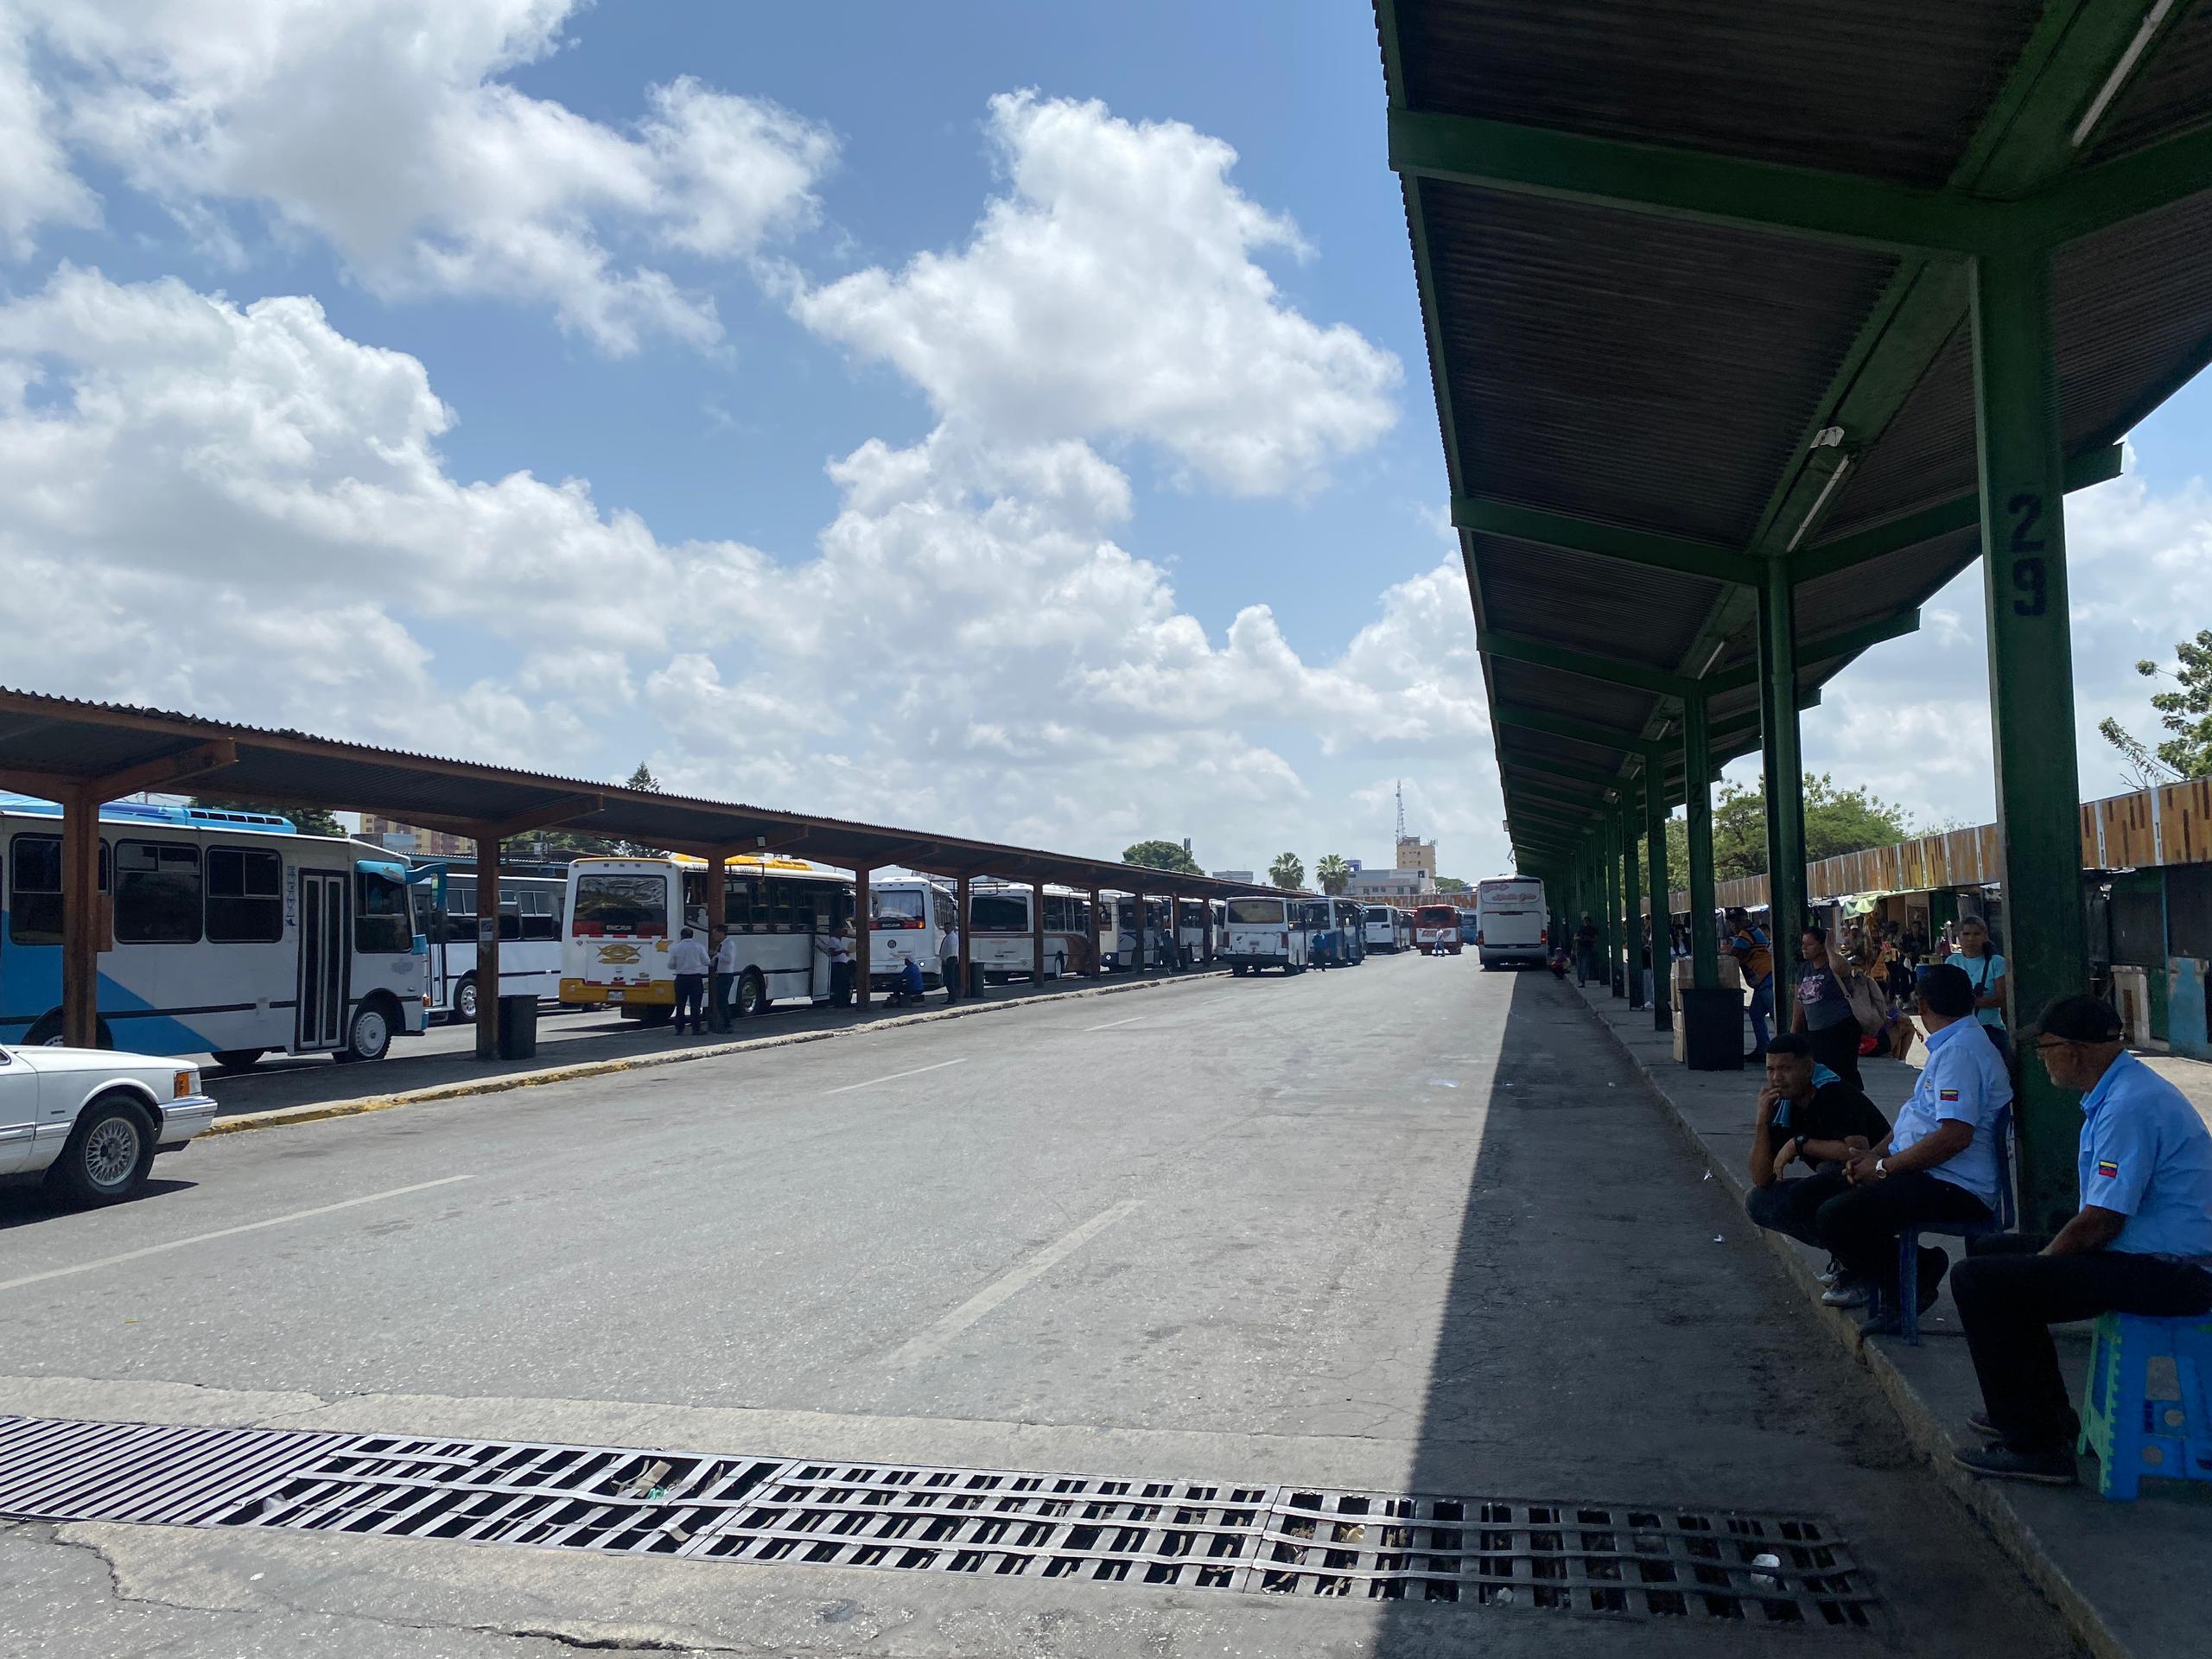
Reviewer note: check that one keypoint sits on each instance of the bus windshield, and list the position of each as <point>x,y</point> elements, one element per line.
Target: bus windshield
<point>1437,916</point>
<point>636,905</point>
<point>897,909</point>
<point>1257,912</point>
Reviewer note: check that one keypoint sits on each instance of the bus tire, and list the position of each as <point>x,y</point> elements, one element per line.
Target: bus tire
<point>237,1059</point>
<point>656,1013</point>
<point>464,1000</point>
<point>369,1036</point>
<point>751,997</point>
<point>108,1153</point>
<point>46,1031</point>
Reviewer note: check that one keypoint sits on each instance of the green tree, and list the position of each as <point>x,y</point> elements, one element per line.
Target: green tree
<point>1332,873</point>
<point>1837,821</point>
<point>1450,884</point>
<point>308,820</point>
<point>1162,855</point>
<point>2186,712</point>
<point>1287,871</point>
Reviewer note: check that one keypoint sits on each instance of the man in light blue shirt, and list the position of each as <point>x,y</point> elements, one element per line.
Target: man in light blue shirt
<point>1939,1164</point>
<point>2141,1243</point>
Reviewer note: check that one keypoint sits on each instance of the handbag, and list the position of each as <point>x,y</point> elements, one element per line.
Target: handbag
<point>1866,1003</point>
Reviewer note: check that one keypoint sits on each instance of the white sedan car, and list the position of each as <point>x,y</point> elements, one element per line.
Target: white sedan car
<point>92,1119</point>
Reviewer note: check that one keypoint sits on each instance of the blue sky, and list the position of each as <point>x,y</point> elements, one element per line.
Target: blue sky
<point>912,412</point>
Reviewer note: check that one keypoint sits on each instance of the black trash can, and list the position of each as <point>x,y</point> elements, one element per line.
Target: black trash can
<point>517,1027</point>
<point>1713,1029</point>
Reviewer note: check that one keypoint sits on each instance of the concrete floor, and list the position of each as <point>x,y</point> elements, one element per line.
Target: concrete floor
<point>1408,1226</point>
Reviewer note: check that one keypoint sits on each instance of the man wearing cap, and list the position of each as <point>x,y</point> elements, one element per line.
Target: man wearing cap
<point>1938,1165</point>
<point>2141,1243</point>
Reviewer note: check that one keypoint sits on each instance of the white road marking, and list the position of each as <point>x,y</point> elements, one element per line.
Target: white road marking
<point>932,1340</point>
<point>227,1232</point>
<point>1110,1024</point>
<point>895,1075</point>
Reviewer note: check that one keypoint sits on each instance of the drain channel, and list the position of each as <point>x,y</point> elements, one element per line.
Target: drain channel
<point>1642,1563</point>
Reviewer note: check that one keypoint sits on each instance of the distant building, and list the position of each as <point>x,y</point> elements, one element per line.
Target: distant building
<point>1414,854</point>
<point>1232,875</point>
<point>397,837</point>
<point>1403,888</point>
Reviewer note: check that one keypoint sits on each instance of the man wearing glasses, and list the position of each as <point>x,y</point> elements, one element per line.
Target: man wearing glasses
<point>2142,1243</point>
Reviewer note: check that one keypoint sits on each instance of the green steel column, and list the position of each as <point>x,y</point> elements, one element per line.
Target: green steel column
<point>1654,825</point>
<point>1697,782</point>
<point>1608,838</point>
<point>2030,696</point>
<point>1784,756</point>
<point>1632,902</point>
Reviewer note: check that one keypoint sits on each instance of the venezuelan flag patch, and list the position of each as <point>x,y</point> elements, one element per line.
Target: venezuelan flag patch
<point>2108,1169</point>
<point>1947,1095</point>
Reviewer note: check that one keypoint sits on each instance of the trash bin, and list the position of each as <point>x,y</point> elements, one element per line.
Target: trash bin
<point>517,1027</point>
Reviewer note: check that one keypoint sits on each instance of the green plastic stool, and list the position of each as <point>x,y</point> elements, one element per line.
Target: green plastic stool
<point>2132,1434</point>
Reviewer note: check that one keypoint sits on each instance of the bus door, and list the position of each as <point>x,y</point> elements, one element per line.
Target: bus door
<point>326,953</point>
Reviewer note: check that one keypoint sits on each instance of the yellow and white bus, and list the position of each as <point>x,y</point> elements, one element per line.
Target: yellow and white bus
<point>623,914</point>
<point>1001,917</point>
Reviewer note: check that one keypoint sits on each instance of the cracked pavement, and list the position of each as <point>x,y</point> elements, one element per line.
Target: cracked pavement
<point>1337,1271</point>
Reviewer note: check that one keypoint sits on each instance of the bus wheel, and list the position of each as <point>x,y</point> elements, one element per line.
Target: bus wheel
<point>464,1001</point>
<point>369,1036</point>
<point>237,1059</point>
<point>752,993</point>
<point>46,1033</point>
<point>656,1013</point>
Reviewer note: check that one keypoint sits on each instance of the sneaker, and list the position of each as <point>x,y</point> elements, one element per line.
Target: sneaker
<point>1845,1292</point>
<point>1833,1273</point>
<point>1979,1423</point>
<point>2051,1467</point>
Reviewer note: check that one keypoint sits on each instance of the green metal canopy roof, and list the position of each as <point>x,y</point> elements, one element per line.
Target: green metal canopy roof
<point>1694,279</point>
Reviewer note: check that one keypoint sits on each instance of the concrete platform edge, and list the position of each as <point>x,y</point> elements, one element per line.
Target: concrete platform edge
<point>284,1116</point>
<point>1923,1426</point>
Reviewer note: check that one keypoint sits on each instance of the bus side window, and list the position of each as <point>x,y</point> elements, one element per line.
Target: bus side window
<point>802,894</point>
<point>741,902</point>
<point>35,889</point>
<point>779,903</point>
<point>245,896</point>
<point>460,911</point>
<point>158,893</point>
<point>535,907</point>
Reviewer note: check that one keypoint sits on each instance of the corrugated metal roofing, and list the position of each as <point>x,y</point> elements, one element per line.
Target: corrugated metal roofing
<point>66,739</point>
<point>1887,88</point>
<point>1658,373</point>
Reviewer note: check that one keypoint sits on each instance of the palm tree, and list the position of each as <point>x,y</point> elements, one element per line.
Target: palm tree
<point>1333,874</point>
<point>1288,871</point>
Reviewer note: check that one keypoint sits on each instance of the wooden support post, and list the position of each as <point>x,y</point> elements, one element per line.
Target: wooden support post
<point>1036,934</point>
<point>863,938</point>
<point>487,943</point>
<point>80,920</point>
<point>963,903</point>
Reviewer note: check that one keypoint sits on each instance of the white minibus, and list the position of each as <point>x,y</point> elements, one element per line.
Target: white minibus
<point>1264,932</point>
<point>1510,921</point>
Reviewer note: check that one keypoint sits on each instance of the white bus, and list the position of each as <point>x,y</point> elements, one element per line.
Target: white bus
<point>1379,927</point>
<point>1000,940</point>
<point>533,908</point>
<point>910,917</point>
<point>222,933</point>
<point>1510,921</point>
<point>1265,932</point>
<point>625,913</point>
<point>1191,928</point>
<point>1157,937</point>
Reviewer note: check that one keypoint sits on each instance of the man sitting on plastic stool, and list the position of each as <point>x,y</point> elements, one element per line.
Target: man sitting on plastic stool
<point>2141,1243</point>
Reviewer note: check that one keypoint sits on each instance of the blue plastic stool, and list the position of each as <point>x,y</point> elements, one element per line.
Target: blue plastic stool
<point>1908,1289</point>
<point>2132,1434</point>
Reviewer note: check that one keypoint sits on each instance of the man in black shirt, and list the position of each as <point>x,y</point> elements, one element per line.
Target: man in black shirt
<point>1805,1115</point>
<point>1586,937</point>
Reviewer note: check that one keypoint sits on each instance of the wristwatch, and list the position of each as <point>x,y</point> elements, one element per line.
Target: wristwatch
<point>1882,1166</point>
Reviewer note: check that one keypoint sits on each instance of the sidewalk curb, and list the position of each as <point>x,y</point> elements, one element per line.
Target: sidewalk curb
<point>1922,1425</point>
<point>284,1116</point>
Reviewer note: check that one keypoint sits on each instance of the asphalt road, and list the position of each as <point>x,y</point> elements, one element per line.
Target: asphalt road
<point>1404,1227</point>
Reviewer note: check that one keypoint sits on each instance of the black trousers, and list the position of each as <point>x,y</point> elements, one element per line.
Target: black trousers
<point>1860,1225</point>
<point>2009,1297</point>
<point>1792,1205</point>
<point>1837,1048</point>
<point>691,991</point>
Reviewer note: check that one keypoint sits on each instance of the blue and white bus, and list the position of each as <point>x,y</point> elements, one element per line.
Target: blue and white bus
<point>222,933</point>
<point>533,902</point>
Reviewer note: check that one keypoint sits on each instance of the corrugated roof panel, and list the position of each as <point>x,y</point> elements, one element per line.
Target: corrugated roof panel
<point>1649,372</point>
<point>1570,694</point>
<point>1517,743</point>
<point>1882,588</point>
<point>1887,88</point>
<point>2129,304</point>
<point>1604,606</point>
<point>2171,89</point>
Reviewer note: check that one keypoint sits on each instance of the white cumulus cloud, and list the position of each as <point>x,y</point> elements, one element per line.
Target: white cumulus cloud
<point>1115,292</point>
<point>384,127</point>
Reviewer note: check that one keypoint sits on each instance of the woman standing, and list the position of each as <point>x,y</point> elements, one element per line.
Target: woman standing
<point>1824,1016</point>
<point>1985,970</point>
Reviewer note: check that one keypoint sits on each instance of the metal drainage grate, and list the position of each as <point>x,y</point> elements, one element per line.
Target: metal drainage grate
<point>1619,1560</point>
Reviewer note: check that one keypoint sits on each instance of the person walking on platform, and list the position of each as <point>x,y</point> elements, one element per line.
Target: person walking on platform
<point>688,960</point>
<point>2140,1243</point>
<point>1755,958</point>
<point>1585,949</point>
